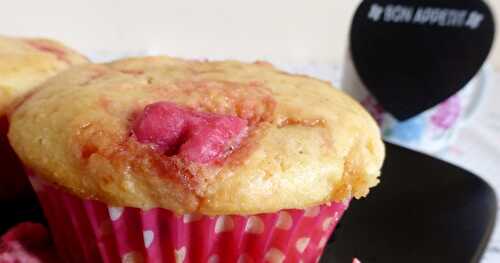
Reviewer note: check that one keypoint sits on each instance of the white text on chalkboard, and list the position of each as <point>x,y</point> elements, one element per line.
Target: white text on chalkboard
<point>425,16</point>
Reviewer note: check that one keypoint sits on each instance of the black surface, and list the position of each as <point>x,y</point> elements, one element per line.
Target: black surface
<point>21,211</point>
<point>413,54</point>
<point>424,210</point>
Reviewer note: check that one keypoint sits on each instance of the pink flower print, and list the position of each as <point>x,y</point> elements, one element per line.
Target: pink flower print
<point>447,113</point>
<point>374,108</point>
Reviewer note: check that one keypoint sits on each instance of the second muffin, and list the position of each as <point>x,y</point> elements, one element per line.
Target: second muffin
<point>24,64</point>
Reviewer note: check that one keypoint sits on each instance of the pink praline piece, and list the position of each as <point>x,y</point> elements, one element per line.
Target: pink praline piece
<point>194,136</point>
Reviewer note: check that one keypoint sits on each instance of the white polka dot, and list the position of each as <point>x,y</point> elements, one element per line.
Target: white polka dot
<point>302,244</point>
<point>254,225</point>
<point>148,238</point>
<point>285,221</point>
<point>327,223</point>
<point>274,255</point>
<point>244,259</point>
<point>224,224</point>
<point>329,204</point>
<point>322,242</point>
<point>180,255</point>
<point>312,211</point>
<point>213,259</point>
<point>115,212</point>
<point>188,218</point>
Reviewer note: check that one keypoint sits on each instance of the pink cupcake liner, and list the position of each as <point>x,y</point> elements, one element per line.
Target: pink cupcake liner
<point>91,231</point>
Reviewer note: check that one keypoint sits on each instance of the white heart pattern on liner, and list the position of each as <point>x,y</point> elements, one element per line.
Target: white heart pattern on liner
<point>213,259</point>
<point>244,258</point>
<point>302,244</point>
<point>274,255</point>
<point>180,255</point>
<point>327,223</point>
<point>115,212</point>
<point>188,218</point>
<point>312,211</point>
<point>132,257</point>
<point>223,224</point>
<point>322,242</point>
<point>285,221</point>
<point>148,236</point>
<point>336,216</point>
<point>254,225</point>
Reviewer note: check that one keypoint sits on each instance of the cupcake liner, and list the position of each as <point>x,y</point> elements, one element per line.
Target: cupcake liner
<point>91,231</point>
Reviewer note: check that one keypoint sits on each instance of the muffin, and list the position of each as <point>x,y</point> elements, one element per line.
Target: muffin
<point>24,63</point>
<point>159,159</point>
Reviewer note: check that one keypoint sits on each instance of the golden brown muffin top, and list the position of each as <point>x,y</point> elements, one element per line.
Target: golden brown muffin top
<point>27,62</point>
<point>305,143</point>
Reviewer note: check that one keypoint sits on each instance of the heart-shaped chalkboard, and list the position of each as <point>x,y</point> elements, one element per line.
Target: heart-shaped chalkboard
<point>414,54</point>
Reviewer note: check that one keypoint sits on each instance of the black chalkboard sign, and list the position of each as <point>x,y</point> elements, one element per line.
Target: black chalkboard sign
<point>413,54</point>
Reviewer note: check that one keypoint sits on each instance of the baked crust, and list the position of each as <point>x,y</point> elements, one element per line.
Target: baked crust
<point>307,143</point>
